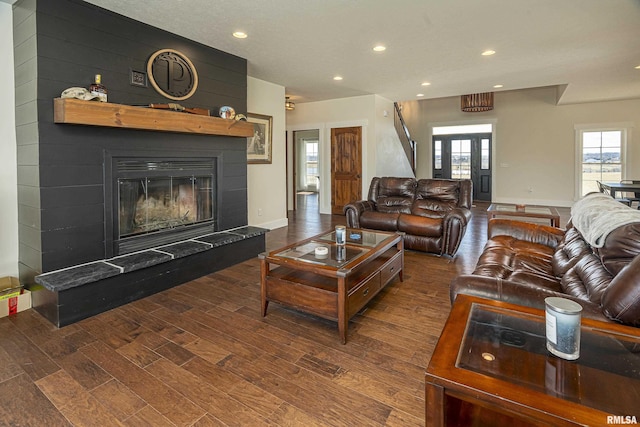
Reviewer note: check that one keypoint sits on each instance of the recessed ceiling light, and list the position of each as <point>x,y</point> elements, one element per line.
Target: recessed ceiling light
<point>498,86</point>
<point>240,35</point>
<point>379,48</point>
<point>638,67</point>
<point>420,94</point>
<point>426,84</point>
<point>337,78</point>
<point>488,52</point>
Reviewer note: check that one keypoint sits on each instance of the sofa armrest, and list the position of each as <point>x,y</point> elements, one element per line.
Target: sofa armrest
<point>516,293</point>
<point>528,232</point>
<point>353,211</point>
<point>621,299</point>
<point>459,214</point>
<point>454,226</point>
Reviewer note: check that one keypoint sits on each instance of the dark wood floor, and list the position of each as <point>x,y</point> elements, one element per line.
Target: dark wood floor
<point>200,354</point>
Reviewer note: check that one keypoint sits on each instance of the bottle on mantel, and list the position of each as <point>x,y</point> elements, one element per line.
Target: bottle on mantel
<point>97,89</point>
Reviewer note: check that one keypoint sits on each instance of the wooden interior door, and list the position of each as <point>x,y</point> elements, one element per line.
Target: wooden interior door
<point>346,167</point>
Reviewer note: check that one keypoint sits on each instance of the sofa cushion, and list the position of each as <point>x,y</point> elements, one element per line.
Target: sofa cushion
<point>569,251</point>
<point>395,194</point>
<point>587,280</point>
<point>508,258</point>
<point>394,204</point>
<point>432,208</point>
<point>444,190</point>
<point>420,226</point>
<point>385,221</point>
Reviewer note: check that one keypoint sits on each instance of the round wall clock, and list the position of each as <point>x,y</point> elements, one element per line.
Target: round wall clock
<point>172,74</point>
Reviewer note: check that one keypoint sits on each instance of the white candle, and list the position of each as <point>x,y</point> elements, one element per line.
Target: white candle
<point>563,327</point>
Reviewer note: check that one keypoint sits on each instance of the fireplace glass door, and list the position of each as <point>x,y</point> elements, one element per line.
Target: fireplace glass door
<point>153,204</point>
<point>158,201</point>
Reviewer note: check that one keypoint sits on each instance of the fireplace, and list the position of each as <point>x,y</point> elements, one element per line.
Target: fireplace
<point>153,200</point>
<point>118,202</point>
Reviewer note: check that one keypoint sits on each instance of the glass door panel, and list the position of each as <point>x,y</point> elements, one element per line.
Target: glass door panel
<point>461,159</point>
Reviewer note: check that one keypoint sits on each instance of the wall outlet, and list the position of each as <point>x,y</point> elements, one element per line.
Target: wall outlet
<point>259,212</point>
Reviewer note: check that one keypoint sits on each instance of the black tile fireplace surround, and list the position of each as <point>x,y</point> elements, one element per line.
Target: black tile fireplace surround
<point>205,174</point>
<point>64,208</point>
<point>197,177</point>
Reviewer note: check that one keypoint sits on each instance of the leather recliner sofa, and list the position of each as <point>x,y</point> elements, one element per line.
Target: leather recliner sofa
<point>594,261</point>
<point>433,213</point>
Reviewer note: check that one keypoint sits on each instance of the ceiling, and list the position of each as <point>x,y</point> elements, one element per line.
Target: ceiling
<point>589,48</point>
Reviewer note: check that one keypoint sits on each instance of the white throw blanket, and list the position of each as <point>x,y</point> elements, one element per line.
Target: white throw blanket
<point>597,214</point>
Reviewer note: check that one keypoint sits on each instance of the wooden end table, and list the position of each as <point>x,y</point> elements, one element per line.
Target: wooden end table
<point>524,211</point>
<point>337,286</point>
<point>491,368</point>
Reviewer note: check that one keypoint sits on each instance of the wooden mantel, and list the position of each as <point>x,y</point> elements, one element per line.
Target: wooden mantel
<point>93,113</point>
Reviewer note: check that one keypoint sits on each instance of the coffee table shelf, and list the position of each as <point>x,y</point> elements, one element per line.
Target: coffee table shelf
<point>326,287</point>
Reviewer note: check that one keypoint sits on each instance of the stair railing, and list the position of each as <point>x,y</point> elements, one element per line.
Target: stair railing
<point>408,144</point>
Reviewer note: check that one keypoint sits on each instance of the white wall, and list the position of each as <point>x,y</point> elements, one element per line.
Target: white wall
<point>8,171</point>
<point>267,200</point>
<point>534,140</point>
<point>391,160</point>
<point>365,111</point>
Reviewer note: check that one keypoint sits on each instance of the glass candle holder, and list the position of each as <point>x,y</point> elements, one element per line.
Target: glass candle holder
<point>562,318</point>
<point>341,235</point>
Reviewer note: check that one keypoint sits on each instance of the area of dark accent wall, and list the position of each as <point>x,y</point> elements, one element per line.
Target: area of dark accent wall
<point>64,43</point>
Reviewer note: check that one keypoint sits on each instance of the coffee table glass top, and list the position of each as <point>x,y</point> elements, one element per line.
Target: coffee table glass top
<point>511,346</point>
<point>359,237</point>
<point>540,210</point>
<point>359,243</point>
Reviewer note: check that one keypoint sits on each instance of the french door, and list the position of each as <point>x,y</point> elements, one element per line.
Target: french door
<point>464,156</point>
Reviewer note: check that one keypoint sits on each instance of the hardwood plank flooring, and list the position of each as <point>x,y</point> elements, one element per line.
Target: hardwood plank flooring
<point>200,354</point>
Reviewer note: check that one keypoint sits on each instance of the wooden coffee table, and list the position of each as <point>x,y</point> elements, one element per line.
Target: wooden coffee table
<point>337,286</point>
<point>491,368</point>
<point>524,211</point>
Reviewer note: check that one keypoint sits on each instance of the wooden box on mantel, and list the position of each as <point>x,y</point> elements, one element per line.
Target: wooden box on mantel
<point>94,113</point>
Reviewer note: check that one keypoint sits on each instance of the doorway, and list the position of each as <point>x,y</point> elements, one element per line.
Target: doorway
<point>306,169</point>
<point>464,156</point>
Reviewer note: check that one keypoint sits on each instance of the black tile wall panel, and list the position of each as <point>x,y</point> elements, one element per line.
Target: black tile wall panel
<point>113,43</point>
<point>63,197</point>
<point>77,40</point>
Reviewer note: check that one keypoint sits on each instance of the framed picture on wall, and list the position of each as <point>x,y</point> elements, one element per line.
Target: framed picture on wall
<point>259,145</point>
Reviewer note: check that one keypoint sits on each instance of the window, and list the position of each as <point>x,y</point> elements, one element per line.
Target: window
<point>311,164</point>
<point>484,153</point>
<point>461,159</point>
<point>601,157</point>
<point>437,154</point>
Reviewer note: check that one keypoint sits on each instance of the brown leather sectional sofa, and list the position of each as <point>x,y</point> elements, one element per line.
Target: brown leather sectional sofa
<point>432,212</point>
<point>524,263</point>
